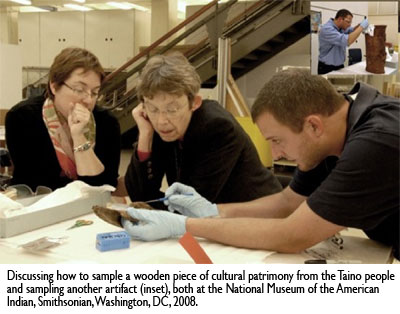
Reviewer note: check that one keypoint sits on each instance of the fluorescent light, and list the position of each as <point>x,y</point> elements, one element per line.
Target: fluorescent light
<point>31,9</point>
<point>121,5</point>
<point>99,6</point>
<point>24,2</point>
<point>77,7</point>
<point>80,1</point>
<point>140,8</point>
<point>182,6</point>
<point>47,8</point>
<point>127,6</point>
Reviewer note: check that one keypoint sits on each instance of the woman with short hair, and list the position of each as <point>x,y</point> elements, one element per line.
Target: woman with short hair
<point>62,136</point>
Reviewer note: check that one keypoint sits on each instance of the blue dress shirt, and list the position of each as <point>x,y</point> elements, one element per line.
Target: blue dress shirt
<point>333,43</point>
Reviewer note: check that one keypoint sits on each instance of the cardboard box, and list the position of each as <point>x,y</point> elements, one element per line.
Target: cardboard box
<point>12,226</point>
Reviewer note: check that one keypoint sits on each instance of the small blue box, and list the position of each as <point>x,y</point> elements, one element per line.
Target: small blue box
<point>109,241</point>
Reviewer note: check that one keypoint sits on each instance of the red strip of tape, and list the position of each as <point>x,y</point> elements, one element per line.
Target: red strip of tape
<point>196,252</point>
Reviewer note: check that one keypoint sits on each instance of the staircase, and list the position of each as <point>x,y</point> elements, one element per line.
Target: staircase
<point>258,32</point>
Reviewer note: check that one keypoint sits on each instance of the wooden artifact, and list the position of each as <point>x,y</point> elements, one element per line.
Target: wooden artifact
<point>113,216</point>
<point>375,47</point>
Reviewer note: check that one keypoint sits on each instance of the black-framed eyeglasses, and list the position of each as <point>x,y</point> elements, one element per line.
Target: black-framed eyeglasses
<point>82,92</point>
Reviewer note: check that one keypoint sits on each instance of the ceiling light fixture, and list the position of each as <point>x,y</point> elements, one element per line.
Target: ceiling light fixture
<point>127,6</point>
<point>47,8</point>
<point>24,2</point>
<point>182,6</point>
<point>80,1</point>
<point>77,7</point>
<point>29,9</point>
<point>121,5</point>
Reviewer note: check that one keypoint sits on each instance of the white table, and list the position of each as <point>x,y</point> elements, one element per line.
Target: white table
<point>359,68</point>
<point>80,247</point>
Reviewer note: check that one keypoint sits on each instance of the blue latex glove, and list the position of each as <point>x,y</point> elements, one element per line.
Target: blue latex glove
<point>154,224</point>
<point>191,206</point>
<point>364,24</point>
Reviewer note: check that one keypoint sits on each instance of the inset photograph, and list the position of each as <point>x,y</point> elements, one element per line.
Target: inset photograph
<point>350,37</point>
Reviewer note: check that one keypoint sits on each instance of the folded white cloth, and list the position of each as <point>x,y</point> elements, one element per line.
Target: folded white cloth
<point>8,205</point>
<point>73,191</point>
<point>395,57</point>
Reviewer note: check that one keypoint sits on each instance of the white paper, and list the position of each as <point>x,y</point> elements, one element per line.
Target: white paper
<point>73,191</point>
<point>395,57</point>
<point>369,30</point>
<point>8,205</point>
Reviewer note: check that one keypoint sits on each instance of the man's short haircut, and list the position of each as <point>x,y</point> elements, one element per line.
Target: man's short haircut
<point>343,13</point>
<point>67,61</point>
<point>292,95</point>
<point>171,74</point>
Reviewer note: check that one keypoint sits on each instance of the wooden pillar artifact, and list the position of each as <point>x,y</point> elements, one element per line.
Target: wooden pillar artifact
<point>375,47</point>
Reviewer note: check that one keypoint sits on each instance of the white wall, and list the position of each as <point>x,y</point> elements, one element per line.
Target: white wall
<point>391,28</point>
<point>114,35</point>
<point>10,75</point>
<point>142,36</point>
<point>3,26</point>
<point>328,10</point>
<point>8,26</point>
<point>385,13</point>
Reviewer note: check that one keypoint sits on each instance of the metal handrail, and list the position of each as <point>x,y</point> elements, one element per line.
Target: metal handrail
<point>230,27</point>
<point>113,85</point>
<point>161,39</point>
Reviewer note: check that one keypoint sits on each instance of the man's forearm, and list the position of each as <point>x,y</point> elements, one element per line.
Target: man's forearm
<point>354,35</point>
<point>252,233</point>
<point>278,205</point>
<point>301,230</point>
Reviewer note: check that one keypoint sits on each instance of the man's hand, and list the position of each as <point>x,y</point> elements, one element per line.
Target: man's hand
<point>154,224</point>
<point>364,24</point>
<point>189,205</point>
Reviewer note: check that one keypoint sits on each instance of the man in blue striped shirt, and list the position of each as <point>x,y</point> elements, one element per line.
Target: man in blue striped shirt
<point>334,37</point>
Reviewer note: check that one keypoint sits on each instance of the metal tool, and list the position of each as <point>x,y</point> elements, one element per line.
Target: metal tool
<point>162,199</point>
<point>80,223</point>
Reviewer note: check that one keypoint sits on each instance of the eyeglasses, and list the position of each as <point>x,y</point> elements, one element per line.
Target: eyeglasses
<point>83,93</point>
<point>347,21</point>
<point>171,112</point>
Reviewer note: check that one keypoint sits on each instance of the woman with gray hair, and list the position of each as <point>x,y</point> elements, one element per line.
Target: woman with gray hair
<point>190,140</point>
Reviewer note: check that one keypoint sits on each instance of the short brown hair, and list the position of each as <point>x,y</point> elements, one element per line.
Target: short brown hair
<point>292,95</point>
<point>67,61</point>
<point>343,13</point>
<point>172,74</point>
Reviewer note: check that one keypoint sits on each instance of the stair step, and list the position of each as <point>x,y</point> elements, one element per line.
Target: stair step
<point>292,30</point>
<point>251,56</point>
<point>265,48</point>
<point>278,39</point>
<point>238,65</point>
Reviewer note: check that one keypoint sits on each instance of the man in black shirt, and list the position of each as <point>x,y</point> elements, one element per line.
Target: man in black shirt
<point>347,152</point>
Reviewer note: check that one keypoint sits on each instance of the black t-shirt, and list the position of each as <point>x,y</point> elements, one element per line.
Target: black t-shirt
<point>360,189</point>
